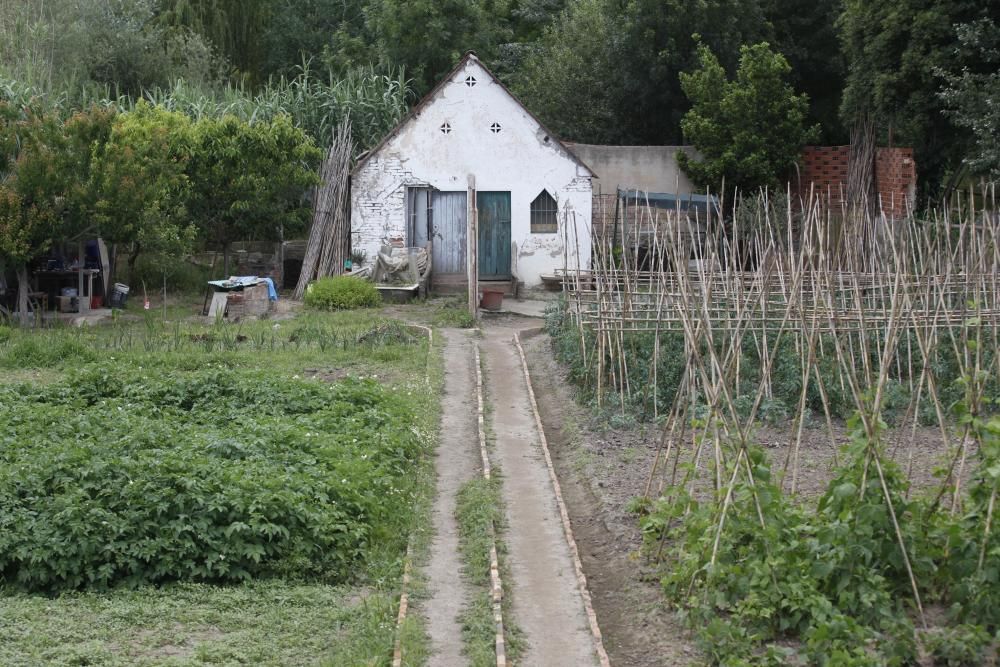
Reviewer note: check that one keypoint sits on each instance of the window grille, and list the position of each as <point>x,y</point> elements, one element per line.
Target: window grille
<point>544,214</point>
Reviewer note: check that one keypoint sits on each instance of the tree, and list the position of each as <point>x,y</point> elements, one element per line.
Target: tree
<point>750,130</point>
<point>576,61</point>
<point>299,31</point>
<point>627,54</point>
<point>896,51</point>
<point>972,96</point>
<point>662,40</point>
<point>86,134</point>
<point>32,190</point>
<point>400,30</point>
<point>236,28</point>
<point>71,51</point>
<point>141,184</point>
<point>805,32</point>
<point>248,181</point>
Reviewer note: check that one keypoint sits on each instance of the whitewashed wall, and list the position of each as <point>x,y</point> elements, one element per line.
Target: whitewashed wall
<point>521,159</point>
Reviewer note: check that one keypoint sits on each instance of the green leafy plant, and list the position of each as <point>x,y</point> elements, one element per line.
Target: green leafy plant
<point>960,646</point>
<point>116,478</point>
<point>341,293</point>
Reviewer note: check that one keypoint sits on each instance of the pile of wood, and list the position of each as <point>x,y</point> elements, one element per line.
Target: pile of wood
<point>327,247</point>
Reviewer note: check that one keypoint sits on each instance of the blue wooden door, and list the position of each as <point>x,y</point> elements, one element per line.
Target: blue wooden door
<point>494,235</point>
<point>449,232</point>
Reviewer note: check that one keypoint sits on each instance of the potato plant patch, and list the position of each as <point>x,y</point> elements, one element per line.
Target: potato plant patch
<point>111,478</point>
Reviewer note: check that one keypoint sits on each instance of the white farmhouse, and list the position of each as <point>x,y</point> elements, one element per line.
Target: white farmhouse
<point>470,145</point>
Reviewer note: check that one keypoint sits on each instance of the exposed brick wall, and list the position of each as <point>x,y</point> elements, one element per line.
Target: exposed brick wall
<point>378,214</point>
<point>896,180</point>
<point>824,169</point>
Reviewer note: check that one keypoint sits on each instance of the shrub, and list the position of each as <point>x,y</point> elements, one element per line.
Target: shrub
<point>217,475</point>
<point>342,293</point>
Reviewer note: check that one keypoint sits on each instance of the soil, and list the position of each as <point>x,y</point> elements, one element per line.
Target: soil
<point>140,645</point>
<point>547,605</point>
<point>456,462</point>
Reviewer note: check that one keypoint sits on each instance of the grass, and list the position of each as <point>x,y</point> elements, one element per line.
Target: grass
<point>289,620</point>
<point>479,511</point>
<point>449,312</point>
<point>348,342</point>
<point>266,623</point>
<point>452,312</point>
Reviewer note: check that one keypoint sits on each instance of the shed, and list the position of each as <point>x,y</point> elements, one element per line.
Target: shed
<point>470,149</point>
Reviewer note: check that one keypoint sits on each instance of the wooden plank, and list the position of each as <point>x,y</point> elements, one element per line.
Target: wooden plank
<point>494,235</point>
<point>472,251</point>
<point>449,237</point>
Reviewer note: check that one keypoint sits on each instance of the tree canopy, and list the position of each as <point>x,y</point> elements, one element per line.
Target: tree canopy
<point>601,71</point>
<point>896,51</point>
<point>748,130</point>
<point>972,95</point>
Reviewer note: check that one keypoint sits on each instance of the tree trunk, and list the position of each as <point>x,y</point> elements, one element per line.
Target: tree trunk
<point>22,294</point>
<point>132,258</point>
<point>112,271</point>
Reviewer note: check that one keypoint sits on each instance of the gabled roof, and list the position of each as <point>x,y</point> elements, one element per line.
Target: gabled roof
<point>429,97</point>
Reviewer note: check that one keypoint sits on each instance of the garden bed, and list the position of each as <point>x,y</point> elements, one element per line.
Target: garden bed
<point>174,492</point>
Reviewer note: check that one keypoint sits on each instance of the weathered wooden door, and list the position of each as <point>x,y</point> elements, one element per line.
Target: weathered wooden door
<point>494,235</point>
<point>449,229</point>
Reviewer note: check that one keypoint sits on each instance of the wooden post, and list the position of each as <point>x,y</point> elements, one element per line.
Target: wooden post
<point>472,247</point>
<point>81,307</point>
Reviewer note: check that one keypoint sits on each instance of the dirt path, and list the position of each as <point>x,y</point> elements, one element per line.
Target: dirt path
<point>456,462</point>
<point>547,605</point>
<point>597,480</point>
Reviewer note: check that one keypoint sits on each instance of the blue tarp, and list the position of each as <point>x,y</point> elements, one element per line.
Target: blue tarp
<point>239,282</point>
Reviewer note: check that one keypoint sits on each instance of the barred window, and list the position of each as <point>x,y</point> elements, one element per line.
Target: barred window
<point>544,211</point>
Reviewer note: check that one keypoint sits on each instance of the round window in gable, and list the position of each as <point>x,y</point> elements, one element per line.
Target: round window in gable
<point>470,81</point>
<point>495,128</point>
<point>446,128</point>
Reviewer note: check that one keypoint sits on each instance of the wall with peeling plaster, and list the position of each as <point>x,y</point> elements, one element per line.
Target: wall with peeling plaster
<point>647,168</point>
<point>521,159</point>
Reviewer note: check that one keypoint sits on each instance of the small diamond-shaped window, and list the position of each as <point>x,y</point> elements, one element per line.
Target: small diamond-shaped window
<point>470,81</point>
<point>495,128</point>
<point>446,128</point>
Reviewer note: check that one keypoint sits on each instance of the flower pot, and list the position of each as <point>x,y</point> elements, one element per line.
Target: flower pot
<point>492,299</point>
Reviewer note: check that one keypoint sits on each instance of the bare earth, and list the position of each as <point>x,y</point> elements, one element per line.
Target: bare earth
<point>457,461</point>
<point>547,605</point>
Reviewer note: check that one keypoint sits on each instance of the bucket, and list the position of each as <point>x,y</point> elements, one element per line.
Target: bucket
<point>96,302</point>
<point>492,299</point>
<point>119,295</point>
